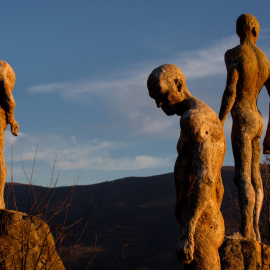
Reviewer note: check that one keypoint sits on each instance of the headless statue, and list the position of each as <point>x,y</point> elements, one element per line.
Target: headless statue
<point>248,70</point>
<point>197,172</point>
<point>7,105</point>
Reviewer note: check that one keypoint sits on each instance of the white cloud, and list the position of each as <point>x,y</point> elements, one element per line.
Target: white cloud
<point>194,64</point>
<point>48,88</point>
<point>206,62</point>
<point>228,126</point>
<point>265,121</point>
<point>125,95</point>
<point>264,34</point>
<point>109,163</point>
<point>165,127</point>
<point>10,139</point>
<point>91,155</point>
<point>125,92</point>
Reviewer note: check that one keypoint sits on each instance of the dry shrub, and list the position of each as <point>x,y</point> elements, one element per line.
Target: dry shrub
<point>43,204</point>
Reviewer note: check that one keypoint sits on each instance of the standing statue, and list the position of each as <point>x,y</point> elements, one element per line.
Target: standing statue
<point>248,70</point>
<point>7,105</point>
<point>266,141</point>
<point>197,172</point>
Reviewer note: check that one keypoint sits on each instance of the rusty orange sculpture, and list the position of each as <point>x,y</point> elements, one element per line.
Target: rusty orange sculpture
<point>248,70</point>
<point>197,172</point>
<point>7,105</point>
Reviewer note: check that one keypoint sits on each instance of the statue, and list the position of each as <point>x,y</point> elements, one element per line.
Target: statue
<point>7,105</point>
<point>266,141</point>
<point>201,151</point>
<point>248,70</point>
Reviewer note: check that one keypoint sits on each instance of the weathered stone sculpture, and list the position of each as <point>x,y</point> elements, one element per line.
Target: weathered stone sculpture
<point>201,151</point>
<point>7,105</point>
<point>266,141</point>
<point>248,70</point>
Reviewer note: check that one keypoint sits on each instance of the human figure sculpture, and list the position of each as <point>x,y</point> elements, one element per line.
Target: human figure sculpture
<point>248,70</point>
<point>197,172</point>
<point>7,105</point>
<point>266,141</point>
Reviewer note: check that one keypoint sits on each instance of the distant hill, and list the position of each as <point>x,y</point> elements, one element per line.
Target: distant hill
<point>137,211</point>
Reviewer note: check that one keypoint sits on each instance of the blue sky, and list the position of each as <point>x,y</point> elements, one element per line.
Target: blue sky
<point>81,69</point>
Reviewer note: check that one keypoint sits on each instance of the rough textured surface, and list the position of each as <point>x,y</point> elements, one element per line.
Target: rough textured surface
<point>26,243</point>
<point>248,70</point>
<point>201,150</point>
<point>242,254</point>
<point>266,141</point>
<point>7,105</point>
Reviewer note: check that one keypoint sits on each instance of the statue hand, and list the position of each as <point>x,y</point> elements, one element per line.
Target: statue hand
<point>185,249</point>
<point>14,128</point>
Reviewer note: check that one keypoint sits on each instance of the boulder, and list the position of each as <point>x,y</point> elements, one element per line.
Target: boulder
<point>26,243</point>
<point>242,254</point>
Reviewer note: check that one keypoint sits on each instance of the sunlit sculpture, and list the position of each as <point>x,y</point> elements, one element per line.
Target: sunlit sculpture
<point>266,141</point>
<point>201,151</point>
<point>248,70</point>
<point>7,81</point>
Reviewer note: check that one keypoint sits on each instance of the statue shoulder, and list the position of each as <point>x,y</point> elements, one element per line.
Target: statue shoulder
<point>231,53</point>
<point>200,123</point>
<point>192,119</point>
<point>262,56</point>
<point>233,57</point>
<point>6,72</point>
<point>5,65</point>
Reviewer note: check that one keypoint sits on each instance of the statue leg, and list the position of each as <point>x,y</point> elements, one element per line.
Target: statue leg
<point>257,184</point>
<point>266,141</point>
<point>3,170</point>
<point>242,150</point>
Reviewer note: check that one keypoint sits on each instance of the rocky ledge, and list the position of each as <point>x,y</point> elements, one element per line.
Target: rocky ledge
<point>26,243</point>
<point>236,253</point>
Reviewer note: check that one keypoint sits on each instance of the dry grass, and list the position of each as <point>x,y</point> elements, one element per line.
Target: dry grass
<point>54,213</point>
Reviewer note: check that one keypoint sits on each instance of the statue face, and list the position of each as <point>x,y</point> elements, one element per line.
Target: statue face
<point>166,95</point>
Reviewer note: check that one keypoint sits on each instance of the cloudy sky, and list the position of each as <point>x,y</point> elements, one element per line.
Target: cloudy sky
<point>81,69</point>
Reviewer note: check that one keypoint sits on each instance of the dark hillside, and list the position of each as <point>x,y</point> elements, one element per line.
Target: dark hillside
<point>138,211</point>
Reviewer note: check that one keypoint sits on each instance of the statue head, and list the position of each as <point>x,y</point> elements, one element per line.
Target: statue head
<point>247,26</point>
<point>166,85</point>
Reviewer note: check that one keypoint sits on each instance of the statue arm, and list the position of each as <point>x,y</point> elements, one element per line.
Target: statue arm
<point>267,86</point>
<point>201,194</point>
<point>204,183</point>
<point>229,94</point>
<point>266,141</point>
<point>8,106</point>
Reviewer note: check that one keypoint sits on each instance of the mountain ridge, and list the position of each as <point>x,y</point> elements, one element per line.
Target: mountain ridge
<point>136,212</point>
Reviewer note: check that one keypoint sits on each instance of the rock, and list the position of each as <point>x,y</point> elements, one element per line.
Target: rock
<point>26,243</point>
<point>241,254</point>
